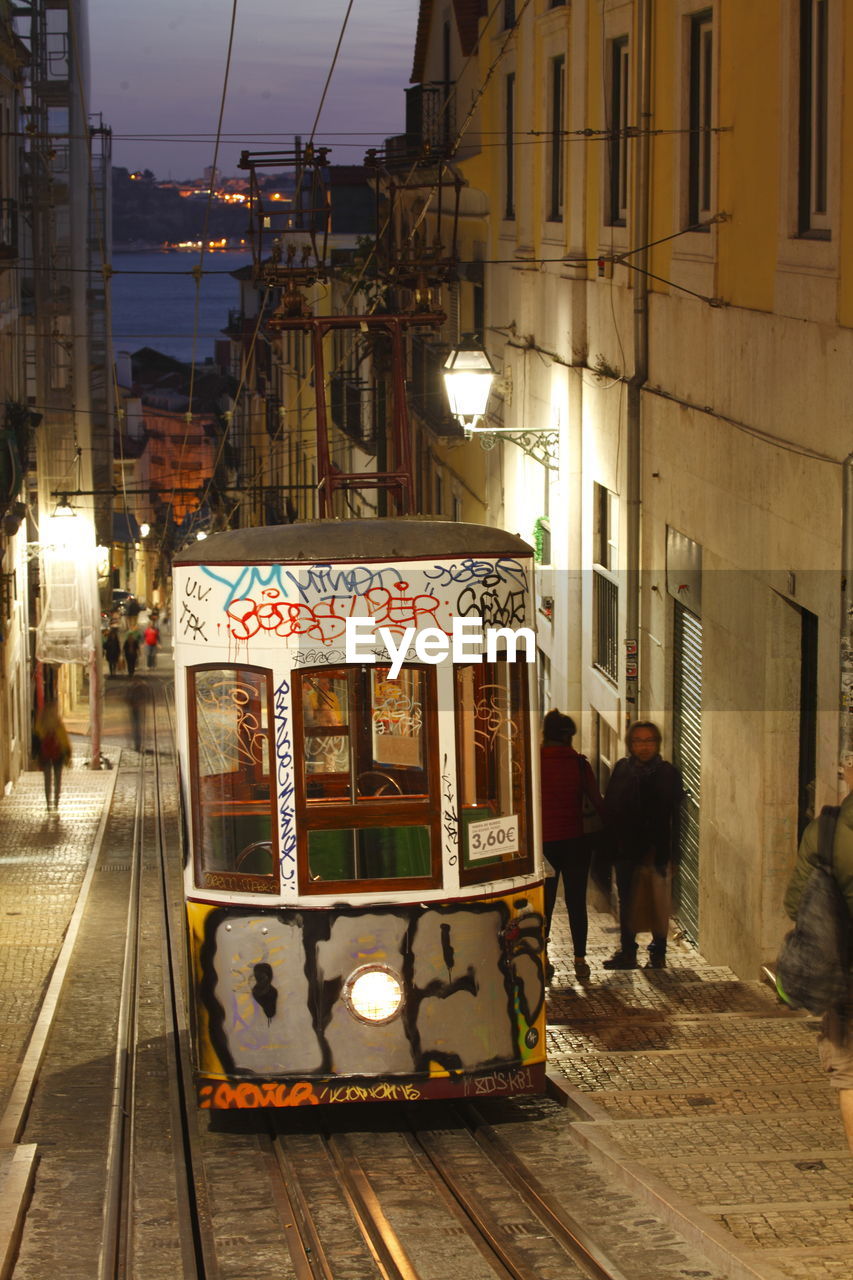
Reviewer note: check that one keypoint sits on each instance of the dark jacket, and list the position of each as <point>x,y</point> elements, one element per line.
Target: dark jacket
<point>562,777</point>
<point>643,809</point>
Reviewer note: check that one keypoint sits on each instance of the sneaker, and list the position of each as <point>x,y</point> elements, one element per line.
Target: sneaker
<point>549,972</point>
<point>656,962</point>
<point>581,969</point>
<point>621,960</point>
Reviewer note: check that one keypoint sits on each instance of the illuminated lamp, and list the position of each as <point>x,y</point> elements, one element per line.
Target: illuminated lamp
<point>468,378</point>
<point>373,994</point>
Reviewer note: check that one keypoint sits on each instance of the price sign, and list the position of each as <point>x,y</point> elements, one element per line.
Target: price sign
<point>492,837</point>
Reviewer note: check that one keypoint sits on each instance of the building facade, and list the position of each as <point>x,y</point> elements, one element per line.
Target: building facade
<point>666,283</point>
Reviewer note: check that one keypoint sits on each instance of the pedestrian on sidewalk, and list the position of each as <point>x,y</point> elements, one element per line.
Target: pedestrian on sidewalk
<point>835,1041</point>
<point>54,750</point>
<point>643,809</point>
<point>565,778</point>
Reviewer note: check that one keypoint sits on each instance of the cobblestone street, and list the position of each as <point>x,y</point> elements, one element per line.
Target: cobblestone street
<point>706,1092</point>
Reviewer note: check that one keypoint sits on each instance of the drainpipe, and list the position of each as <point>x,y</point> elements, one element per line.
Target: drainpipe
<point>642,185</point>
<point>845,723</point>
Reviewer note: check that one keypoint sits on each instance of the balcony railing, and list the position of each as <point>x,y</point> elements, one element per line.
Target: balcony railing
<point>430,125</point>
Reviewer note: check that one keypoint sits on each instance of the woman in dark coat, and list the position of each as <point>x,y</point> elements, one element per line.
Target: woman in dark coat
<point>643,806</point>
<point>112,649</point>
<point>565,777</point>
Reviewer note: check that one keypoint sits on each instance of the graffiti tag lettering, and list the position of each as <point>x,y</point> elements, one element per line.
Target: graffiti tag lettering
<point>247,1094</point>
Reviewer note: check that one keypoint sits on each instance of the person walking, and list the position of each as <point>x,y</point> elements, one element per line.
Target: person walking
<point>643,807</point>
<point>137,696</point>
<point>152,641</point>
<point>112,649</point>
<point>54,750</point>
<point>835,1040</point>
<point>131,650</point>
<point>566,777</point>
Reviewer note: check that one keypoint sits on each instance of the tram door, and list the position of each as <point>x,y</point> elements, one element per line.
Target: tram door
<point>687,755</point>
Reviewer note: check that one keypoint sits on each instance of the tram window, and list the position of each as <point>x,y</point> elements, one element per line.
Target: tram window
<point>363,734</point>
<point>366,802</point>
<point>493,762</point>
<point>232,761</point>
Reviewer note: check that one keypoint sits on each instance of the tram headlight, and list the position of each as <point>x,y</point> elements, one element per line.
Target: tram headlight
<point>374,994</point>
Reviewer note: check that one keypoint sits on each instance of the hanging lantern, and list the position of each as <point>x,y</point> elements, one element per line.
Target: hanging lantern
<point>468,377</point>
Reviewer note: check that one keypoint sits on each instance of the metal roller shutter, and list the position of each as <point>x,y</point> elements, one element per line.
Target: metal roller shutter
<point>687,754</point>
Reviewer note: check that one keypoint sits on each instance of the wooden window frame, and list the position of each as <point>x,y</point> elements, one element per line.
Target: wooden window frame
<point>523,863</point>
<point>370,811</point>
<point>557,166</point>
<point>814,122</point>
<point>618,106</point>
<point>231,881</point>
<point>700,164</point>
<point>509,146</point>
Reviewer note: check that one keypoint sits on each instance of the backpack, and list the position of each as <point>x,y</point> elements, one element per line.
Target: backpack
<point>812,969</point>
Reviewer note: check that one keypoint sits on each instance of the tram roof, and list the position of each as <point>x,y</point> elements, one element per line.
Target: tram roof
<point>403,538</point>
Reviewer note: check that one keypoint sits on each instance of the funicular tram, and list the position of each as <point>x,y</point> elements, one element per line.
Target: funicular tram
<point>363,887</point>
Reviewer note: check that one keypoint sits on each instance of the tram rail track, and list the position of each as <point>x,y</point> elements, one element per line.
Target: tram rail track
<point>461,1183</point>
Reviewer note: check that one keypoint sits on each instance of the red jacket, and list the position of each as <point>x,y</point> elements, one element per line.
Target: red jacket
<point>561,780</point>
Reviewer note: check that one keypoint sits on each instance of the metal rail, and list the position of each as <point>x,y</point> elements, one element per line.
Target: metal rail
<point>331,1159</point>
<point>115,1225</point>
<point>565,1228</point>
<point>197,1242</point>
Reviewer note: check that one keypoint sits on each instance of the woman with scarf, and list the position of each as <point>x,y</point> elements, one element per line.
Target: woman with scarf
<point>643,807</point>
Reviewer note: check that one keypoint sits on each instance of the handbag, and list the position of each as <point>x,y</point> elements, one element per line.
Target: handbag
<point>590,817</point>
<point>651,900</point>
<point>812,968</point>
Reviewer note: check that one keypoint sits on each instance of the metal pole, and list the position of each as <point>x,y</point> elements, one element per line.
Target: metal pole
<point>845,721</point>
<point>641,360</point>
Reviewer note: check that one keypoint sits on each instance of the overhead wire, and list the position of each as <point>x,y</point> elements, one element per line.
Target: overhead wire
<point>198,271</point>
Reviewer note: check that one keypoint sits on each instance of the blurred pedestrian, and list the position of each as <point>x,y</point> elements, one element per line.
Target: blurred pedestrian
<point>131,650</point>
<point>566,778</point>
<point>152,641</point>
<point>53,750</point>
<point>643,809</point>
<point>137,695</point>
<point>112,649</point>
<point>835,1041</point>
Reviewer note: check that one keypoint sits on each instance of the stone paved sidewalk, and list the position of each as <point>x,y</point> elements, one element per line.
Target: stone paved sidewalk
<point>705,1091</point>
<point>43,860</point>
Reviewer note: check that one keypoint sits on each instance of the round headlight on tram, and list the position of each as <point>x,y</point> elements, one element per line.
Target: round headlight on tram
<point>374,994</point>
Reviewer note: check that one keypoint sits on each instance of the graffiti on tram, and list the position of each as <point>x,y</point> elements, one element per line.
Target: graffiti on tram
<point>312,604</point>
<point>273,990</point>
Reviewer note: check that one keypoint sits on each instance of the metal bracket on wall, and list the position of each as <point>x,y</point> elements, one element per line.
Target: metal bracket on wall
<point>542,446</point>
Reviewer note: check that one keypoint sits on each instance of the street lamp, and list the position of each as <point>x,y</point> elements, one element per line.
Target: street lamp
<point>468,377</point>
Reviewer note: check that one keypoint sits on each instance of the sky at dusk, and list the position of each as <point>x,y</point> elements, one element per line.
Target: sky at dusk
<point>158,68</point>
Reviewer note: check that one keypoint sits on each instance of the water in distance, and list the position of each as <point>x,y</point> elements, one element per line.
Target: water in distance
<point>154,300</point>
